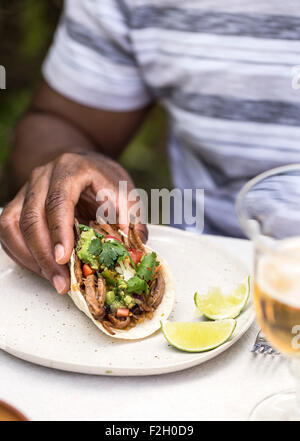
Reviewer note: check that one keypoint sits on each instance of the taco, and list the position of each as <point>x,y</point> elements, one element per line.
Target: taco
<point>120,284</point>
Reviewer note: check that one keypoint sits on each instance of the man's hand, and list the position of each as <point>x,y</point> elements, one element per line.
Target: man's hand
<point>36,227</point>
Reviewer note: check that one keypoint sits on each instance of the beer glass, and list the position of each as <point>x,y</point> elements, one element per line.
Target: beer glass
<point>268,208</point>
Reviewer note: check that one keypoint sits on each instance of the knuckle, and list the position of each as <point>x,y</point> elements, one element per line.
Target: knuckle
<point>29,196</point>
<point>29,220</point>
<point>71,163</point>
<point>54,200</point>
<point>33,184</point>
<point>9,218</point>
<point>66,157</point>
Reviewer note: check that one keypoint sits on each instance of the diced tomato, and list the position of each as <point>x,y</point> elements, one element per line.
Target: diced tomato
<point>87,270</point>
<point>113,237</point>
<point>122,312</point>
<point>136,255</point>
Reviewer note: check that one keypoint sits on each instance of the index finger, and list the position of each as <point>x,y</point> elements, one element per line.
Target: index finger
<point>67,182</point>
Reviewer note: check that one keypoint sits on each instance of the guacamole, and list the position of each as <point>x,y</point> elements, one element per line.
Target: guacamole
<point>87,238</point>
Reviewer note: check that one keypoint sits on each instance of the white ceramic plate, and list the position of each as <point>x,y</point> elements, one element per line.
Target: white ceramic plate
<point>42,327</point>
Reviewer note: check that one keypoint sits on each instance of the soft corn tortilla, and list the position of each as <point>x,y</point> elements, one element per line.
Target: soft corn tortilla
<point>142,330</point>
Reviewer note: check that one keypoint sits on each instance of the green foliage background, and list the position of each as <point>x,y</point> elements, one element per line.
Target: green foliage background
<point>26,30</point>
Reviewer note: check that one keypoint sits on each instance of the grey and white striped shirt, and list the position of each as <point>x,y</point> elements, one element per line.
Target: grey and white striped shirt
<point>222,69</point>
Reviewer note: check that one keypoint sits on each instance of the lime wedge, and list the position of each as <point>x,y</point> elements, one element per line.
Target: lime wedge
<point>218,306</point>
<point>197,336</point>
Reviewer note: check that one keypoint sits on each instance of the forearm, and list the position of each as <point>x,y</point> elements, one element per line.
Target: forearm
<point>55,124</point>
<point>39,138</point>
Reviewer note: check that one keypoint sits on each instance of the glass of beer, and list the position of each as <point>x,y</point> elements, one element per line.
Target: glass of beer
<point>269,212</point>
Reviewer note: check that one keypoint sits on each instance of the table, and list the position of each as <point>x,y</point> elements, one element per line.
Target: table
<point>225,388</point>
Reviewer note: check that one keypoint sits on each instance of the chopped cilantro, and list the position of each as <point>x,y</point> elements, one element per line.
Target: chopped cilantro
<point>146,267</point>
<point>137,285</point>
<point>95,247</point>
<point>112,252</point>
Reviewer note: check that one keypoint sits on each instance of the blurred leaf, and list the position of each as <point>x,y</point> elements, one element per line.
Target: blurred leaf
<point>34,27</point>
<point>12,106</point>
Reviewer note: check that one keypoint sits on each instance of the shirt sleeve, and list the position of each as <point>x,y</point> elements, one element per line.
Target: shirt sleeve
<point>91,60</point>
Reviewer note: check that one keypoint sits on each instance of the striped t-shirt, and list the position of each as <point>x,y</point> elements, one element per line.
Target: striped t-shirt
<point>222,70</point>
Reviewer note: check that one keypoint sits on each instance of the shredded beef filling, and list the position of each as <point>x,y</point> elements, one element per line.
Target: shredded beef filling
<point>157,290</point>
<point>118,322</point>
<point>78,271</point>
<point>134,239</point>
<point>95,303</point>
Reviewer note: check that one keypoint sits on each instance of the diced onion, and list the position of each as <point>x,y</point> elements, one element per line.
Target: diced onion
<point>125,269</point>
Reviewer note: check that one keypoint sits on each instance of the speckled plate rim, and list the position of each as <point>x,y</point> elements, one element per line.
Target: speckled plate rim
<point>125,371</point>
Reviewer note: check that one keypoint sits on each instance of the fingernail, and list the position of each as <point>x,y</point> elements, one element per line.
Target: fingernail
<point>59,283</point>
<point>59,252</point>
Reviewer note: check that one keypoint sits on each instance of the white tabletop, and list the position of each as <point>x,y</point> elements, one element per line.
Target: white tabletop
<point>225,388</point>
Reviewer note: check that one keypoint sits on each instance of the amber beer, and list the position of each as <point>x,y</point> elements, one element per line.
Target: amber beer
<point>277,297</point>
